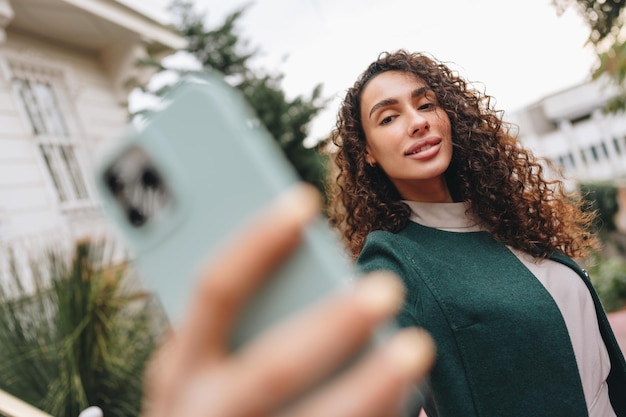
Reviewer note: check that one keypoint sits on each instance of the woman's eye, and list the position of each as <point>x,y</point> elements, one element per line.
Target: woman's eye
<point>387,120</point>
<point>426,106</point>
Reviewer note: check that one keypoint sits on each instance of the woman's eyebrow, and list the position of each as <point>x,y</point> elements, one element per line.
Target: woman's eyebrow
<point>418,92</point>
<point>383,103</point>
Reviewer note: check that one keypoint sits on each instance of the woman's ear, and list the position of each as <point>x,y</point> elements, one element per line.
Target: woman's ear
<point>370,160</point>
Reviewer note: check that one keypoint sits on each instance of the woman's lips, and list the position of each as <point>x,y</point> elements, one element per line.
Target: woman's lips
<point>424,149</point>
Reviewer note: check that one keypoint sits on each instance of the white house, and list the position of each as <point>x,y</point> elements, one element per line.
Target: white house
<point>570,128</point>
<point>66,70</point>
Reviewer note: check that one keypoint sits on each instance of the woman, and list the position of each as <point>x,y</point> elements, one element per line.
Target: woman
<point>431,185</point>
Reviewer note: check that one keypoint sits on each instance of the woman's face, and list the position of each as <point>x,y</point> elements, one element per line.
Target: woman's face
<point>408,135</point>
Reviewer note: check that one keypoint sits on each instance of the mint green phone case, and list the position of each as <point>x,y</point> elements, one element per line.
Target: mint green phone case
<point>195,172</point>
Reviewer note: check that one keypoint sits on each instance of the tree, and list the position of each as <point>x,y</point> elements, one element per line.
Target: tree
<point>605,21</point>
<point>223,49</point>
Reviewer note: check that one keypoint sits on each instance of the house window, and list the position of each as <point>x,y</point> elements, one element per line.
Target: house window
<point>605,150</point>
<point>594,153</point>
<point>57,144</point>
<point>567,161</point>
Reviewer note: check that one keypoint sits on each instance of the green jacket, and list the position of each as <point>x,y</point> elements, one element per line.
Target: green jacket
<point>503,348</point>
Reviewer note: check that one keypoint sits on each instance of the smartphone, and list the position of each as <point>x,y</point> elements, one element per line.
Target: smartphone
<point>192,174</point>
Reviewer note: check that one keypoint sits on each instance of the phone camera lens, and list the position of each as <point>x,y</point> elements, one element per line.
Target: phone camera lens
<point>135,217</point>
<point>150,179</point>
<point>114,183</point>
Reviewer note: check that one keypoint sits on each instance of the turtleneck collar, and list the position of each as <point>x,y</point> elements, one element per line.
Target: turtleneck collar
<point>451,217</point>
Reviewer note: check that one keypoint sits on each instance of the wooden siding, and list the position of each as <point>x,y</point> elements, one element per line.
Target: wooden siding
<point>28,201</point>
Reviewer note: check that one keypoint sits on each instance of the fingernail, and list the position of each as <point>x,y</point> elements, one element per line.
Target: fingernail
<point>301,203</point>
<point>381,293</point>
<point>412,351</point>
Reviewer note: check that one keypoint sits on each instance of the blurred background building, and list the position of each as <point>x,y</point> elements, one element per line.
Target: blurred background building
<point>572,129</point>
<point>66,70</point>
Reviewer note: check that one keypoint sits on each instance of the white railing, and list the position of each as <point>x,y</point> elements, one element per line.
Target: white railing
<point>11,406</point>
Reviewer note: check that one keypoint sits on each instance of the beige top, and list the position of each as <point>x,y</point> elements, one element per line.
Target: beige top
<point>573,300</point>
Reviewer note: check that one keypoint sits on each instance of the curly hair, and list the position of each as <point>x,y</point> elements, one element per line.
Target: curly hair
<point>504,183</point>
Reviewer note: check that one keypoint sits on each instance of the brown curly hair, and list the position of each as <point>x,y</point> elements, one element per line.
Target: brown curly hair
<point>503,183</point>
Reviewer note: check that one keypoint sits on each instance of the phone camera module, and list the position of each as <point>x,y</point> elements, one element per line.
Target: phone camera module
<point>138,187</point>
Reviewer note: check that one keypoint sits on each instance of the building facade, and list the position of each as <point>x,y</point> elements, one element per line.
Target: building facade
<point>66,70</point>
<point>571,128</point>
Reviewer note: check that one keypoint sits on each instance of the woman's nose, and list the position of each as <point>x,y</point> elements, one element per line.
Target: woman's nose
<point>418,124</point>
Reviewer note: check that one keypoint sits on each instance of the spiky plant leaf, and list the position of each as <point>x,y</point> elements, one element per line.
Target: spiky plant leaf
<point>77,330</point>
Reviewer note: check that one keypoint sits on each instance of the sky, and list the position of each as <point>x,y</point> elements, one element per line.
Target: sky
<point>517,51</point>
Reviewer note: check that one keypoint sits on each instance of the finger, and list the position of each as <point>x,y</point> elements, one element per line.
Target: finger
<point>304,349</point>
<point>160,378</point>
<point>378,386</point>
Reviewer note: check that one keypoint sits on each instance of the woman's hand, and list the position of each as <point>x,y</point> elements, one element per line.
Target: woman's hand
<point>195,374</point>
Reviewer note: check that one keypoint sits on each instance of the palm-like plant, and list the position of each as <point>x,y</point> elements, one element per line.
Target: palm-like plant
<point>77,331</point>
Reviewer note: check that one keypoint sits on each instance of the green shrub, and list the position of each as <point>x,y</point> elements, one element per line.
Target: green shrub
<point>609,279</point>
<point>76,331</point>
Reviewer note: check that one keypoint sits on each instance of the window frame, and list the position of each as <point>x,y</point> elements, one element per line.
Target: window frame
<point>53,124</point>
